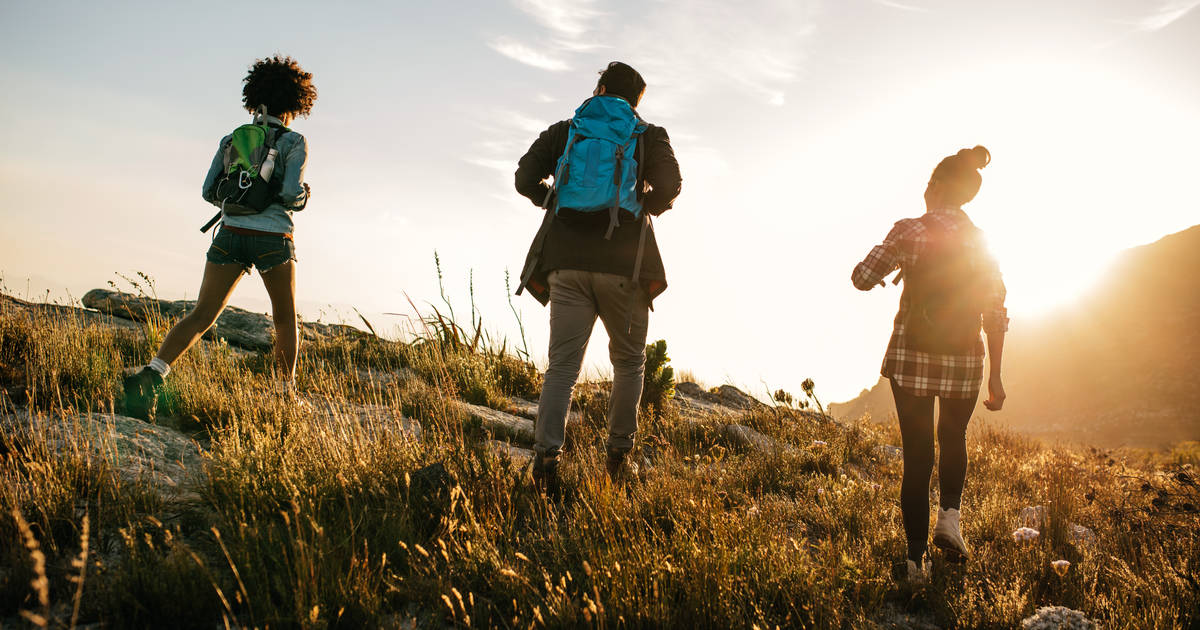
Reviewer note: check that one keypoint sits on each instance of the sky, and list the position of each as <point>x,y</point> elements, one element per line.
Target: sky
<point>803,131</point>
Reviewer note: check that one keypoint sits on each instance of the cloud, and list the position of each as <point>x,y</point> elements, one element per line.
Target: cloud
<point>569,18</point>
<point>754,50</point>
<point>527,55</point>
<point>903,7</point>
<point>1167,14</point>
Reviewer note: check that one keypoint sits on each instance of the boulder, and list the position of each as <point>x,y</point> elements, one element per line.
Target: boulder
<point>375,420</point>
<point>749,438</point>
<point>237,327</point>
<point>735,398</point>
<point>504,450</point>
<point>723,400</point>
<point>163,458</point>
<point>889,452</point>
<point>529,409</point>
<point>501,422</point>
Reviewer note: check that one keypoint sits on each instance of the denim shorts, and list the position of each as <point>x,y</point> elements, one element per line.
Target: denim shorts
<point>263,252</point>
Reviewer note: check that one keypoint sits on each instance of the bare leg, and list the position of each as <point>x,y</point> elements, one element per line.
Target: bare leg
<point>281,287</point>
<point>215,289</point>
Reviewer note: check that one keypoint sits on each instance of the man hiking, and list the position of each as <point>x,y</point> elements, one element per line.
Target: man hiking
<point>595,254</point>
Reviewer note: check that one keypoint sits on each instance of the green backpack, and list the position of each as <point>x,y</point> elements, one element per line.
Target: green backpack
<point>245,187</point>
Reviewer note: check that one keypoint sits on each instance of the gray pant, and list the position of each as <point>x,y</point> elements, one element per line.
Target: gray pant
<point>576,298</point>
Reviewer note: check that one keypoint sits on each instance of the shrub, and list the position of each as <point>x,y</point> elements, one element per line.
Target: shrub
<point>659,378</point>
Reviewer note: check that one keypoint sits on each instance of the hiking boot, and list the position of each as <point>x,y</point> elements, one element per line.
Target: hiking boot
<point>947,535</point>
<point>141,393</point>
<point>614,465</point>
<point>919,573</point>
<point>545,476</point>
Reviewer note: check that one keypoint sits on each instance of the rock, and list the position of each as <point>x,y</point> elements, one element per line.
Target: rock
<point>501,422</point>
<point>892,618</point>
<point>519,456</point>
<point>1033,517</point>
<point>725,400</point>
<point>237,327</point>
<point>735,398</point>
<point>388,378</point>
<point>691,390</point>
<point>375,419</point>
<point>691,397</point>
<point>165,459</point>
<point>9,304</point>
<point>749,438</point>
<point>528,409</point>
<point>1082,535</point>
<point>1056,617</point>
<point>429,497</point>
<point>889,452</point>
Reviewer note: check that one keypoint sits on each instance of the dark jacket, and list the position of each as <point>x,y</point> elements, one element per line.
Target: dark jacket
<point>573,240</point>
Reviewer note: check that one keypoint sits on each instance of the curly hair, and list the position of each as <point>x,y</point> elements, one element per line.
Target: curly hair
<point>281,84</point>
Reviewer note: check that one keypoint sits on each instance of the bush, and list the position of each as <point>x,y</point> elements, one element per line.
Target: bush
<point>659,379</point>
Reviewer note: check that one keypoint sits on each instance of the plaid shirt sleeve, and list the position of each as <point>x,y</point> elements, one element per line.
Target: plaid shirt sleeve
<point>995,316</point>
<point>883,259</point>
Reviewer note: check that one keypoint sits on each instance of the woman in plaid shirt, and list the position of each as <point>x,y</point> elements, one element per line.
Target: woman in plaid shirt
<point>926,358</point>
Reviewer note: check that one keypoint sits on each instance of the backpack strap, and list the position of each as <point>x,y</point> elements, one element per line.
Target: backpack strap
<point>618,175</point>
<point>636,279</point>
<point>279,131</point>
<point>615,212</point>
<point>563,173</point>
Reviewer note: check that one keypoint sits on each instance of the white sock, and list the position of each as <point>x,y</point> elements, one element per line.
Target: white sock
<point>160,366</point>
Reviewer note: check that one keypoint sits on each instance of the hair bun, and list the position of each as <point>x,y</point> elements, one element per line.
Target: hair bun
<point>977,157</point>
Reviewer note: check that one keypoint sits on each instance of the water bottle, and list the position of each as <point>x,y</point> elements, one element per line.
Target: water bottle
<point>268,165</point>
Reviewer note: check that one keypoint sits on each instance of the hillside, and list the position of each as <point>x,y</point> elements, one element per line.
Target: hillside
<point>1120,367</point>
<point>394,492</point>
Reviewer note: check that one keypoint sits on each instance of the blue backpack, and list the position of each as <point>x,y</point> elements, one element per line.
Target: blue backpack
<point>598,171</point>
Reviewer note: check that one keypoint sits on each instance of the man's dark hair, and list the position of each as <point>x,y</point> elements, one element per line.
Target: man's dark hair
<point>281,84</point>
<point>620,79</point>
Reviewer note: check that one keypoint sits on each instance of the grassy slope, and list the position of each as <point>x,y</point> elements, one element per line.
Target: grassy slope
<point>307,519</point>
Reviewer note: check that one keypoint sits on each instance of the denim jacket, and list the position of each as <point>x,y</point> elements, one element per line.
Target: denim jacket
<point>293,153</point>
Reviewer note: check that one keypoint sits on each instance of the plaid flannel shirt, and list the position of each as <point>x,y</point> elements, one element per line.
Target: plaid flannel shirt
<point>922,373</point>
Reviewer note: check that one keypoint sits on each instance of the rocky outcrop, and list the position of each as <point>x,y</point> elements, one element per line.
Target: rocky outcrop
<point>529,409</point>
<point>237,327</point>
<point>750,439</point>
<point>11,304</point>
<point>501,423</point>
<point>723,399</point>
<point>504,450</point>
<point>163,458</point>
<point>375,420</point>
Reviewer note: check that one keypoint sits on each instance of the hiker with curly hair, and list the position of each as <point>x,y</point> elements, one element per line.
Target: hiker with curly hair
<point>257,180</point>
<point>595,254</point>
<point>952,288</point>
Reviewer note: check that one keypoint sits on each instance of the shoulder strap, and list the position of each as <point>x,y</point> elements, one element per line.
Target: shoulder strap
<point>278,130</point>
<point>563,172</point>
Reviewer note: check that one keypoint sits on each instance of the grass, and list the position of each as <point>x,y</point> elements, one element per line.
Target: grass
<point>322,516</point>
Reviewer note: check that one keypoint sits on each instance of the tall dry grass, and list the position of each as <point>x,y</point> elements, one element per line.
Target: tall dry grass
<point>331,514</point>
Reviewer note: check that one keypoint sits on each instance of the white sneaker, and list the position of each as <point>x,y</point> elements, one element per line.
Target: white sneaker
<point>919,574</point>
<point>947,534</point>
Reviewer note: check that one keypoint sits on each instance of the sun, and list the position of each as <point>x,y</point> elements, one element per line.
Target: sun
<point>1085,165</point>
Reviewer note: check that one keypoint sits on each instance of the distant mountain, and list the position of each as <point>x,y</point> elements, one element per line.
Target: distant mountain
<point>1120,367</point>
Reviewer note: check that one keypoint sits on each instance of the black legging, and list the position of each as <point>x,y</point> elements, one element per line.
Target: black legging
<point>916,433</point>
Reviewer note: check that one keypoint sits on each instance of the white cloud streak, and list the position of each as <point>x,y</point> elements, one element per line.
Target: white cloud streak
<point>527,55</point>
<point>901,6</point>
<point>1167,14</point>
<point>567,18</point>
